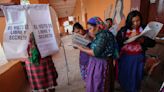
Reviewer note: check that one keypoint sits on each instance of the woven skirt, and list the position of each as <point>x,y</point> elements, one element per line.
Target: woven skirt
<point>42,77</point>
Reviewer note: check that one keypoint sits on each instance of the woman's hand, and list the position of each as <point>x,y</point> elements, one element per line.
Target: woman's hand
<point>140,39</point>
<point>81,48</point>
<point>86,50</point>
<point>132,34</point>
<point>75,46</point>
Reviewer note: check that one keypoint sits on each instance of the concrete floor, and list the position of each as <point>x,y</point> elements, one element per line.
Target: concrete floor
<point>69,79</point>
<point>72,83</point>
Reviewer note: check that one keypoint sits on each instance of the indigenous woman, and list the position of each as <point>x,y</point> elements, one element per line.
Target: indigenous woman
<point>101,54</point>
<point>132,54</point>
<point>41,72</point>
<point>84,58</point>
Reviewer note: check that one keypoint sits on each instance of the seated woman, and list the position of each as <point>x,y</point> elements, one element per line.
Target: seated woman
<point>101,53</point>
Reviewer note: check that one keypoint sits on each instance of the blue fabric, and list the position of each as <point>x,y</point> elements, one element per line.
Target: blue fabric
<point>131,71</point>
<point>84,59</point>
<point>92,21</point>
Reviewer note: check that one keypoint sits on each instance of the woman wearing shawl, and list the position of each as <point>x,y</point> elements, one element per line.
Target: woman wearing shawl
<point>41,72</point>
<point>132,54</point>
<point>84,58</point>
<point>101,56</point>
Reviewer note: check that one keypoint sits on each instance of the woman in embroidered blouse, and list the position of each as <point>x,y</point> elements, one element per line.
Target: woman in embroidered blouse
<point>132,55</point>
<point>101,52</point>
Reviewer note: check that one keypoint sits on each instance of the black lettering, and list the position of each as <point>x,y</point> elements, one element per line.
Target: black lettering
<point>9,28</point>
<point>26,27</point>
<point>17,37</point>
<point>35,26</point>
<point>16,32</point>
<point>45,36</point>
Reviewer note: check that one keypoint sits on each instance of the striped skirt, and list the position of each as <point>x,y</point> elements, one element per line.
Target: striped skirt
<point>42,77</point>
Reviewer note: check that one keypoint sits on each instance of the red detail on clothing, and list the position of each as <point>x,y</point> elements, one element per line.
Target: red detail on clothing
<point>132,48</point>
<point>138,31</point>
<point>42,76</point>
<point>128,33</point>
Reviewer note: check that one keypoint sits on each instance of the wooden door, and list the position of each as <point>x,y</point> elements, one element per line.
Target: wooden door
<point>156,13</point>
<point>153,11</point>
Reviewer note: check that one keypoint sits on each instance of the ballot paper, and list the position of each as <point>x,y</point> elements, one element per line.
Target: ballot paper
<point>151,31</point>
<point>3,59</point>
<point>80,40</point>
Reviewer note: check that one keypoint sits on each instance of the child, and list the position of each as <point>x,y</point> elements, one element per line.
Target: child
<point>84,58</point>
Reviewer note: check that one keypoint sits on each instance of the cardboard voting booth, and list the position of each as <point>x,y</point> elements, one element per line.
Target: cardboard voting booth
<point>21,20</point>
